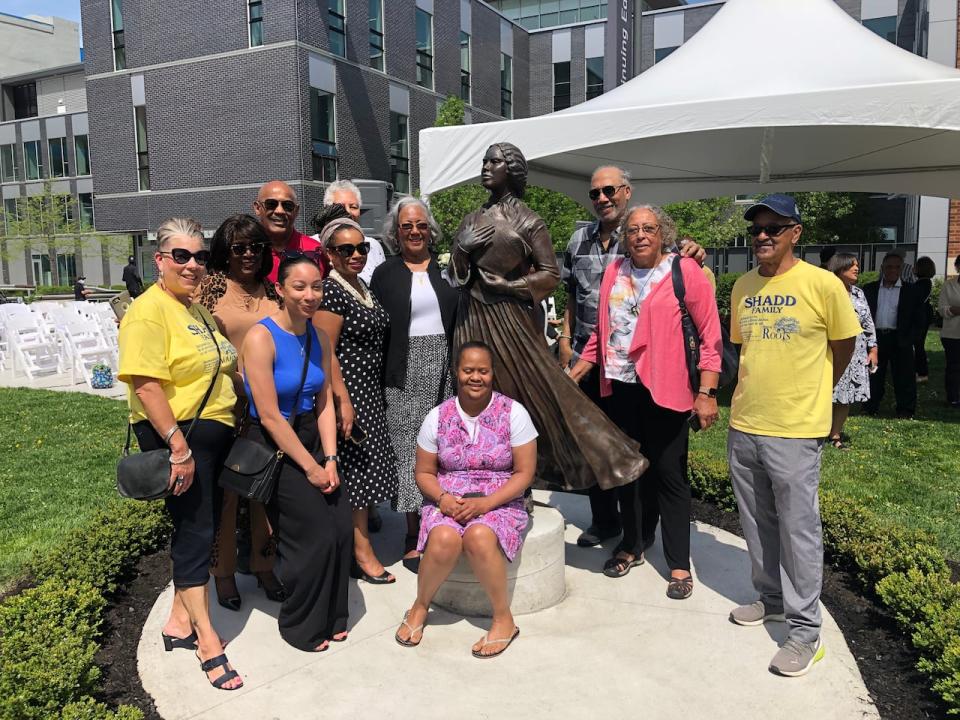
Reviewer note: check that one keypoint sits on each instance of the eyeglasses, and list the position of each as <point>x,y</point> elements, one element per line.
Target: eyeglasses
<point>634,231</point>
<point>313,255</point>
<point>182,257</point>
<point>271,204</point>
<point>241,249</point>
<point>608,190</point>
<point>770,230</point>
<point>346,250</point>
<point>422,227</point>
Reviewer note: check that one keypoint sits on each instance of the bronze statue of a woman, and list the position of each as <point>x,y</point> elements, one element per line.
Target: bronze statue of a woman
<point>503,261</point>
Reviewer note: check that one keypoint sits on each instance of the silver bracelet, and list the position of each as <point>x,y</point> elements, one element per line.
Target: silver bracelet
<point>170,433</point>
<point>181,461</point>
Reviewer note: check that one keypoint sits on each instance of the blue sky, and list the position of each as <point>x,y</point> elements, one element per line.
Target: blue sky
<point>69,9</point>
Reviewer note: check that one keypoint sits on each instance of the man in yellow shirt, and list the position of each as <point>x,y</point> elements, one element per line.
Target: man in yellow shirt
<point>797,329</point>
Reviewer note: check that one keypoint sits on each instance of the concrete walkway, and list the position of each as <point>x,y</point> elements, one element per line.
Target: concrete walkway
<point>613,648</point>
<point>60,382</point>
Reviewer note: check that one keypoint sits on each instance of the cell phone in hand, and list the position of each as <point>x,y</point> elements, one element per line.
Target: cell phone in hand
<point>694,422</point>
<point>120,303</point>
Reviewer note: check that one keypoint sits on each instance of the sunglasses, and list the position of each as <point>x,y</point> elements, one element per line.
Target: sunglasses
<point>241,249</point>
<point>770,230</point>
<point>608,190</point>
<point>313,255</point>
<point>271,204</point>
<point>182,257</point>
<point>634,230</point>
<point>346,250</point>
<point>422,227</point>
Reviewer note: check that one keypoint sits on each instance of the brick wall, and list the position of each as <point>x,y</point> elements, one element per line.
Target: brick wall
<point>953,233</point>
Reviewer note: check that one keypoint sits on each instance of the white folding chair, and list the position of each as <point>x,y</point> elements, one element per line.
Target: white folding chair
<point>34,350</point>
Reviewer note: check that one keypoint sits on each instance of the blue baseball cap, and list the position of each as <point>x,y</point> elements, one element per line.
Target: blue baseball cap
<point>780,204</point>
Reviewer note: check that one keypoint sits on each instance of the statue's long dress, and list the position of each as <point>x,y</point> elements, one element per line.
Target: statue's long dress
<point>578,445</point>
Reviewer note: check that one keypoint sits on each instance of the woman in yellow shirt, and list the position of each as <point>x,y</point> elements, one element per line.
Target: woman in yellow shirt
<point>170,354</point>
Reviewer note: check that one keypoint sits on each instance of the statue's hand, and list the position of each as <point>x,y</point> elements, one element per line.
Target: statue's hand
<point>496,283</point>
<point>473,238</point>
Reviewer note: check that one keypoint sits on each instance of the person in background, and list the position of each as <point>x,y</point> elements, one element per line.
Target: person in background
<point>276,207</point>
<point>357,324</point>
<point>476,456</point>
<point>854,385</point>
<point>897,313</point>
<point>310,512</point>
<point>826,253</point>
<point>80,289</point>
<point>169,346</point>
<point>238,295</point>
<point>423,308</point>
<point>949,306</point>
<point>925,269</point>
<point>132,279</point>
<point>797,330</point>
<point>639,348</point>
<point>347,194</point>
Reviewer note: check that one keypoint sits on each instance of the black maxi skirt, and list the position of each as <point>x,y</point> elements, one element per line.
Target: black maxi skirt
<point>314,535</point>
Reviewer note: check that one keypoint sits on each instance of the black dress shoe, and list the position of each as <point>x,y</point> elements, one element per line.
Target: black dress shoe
<point>271,587</point>
<point>594,535</point>
<point>230,602</point>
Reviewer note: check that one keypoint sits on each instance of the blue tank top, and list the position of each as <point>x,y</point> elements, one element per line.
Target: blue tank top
<point>288,366</point>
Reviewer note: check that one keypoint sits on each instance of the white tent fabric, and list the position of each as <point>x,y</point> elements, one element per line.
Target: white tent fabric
<point>771,95</point>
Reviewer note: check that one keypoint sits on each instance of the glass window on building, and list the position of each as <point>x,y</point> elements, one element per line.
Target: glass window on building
<point>57,151</point>
<point>464,67</point>
<point>337,24</point>
<point>85,203</point>
<point>506,85</point>
<point>536,14</point>
<point>143,155</point>
<point>885,27</point>
<point>11,215</point>
<point>33,160</point>
<point>561,85</point>
<point>81,149</point>
<point>323,135</point>
<point>24,101</point>
<point>255,14</point>
<point>119,43</point>
<point>376,34</point>
<point>662,53</point>
<point>424,49</point>
<point>399,152</point>
<point>594,77</point>
<point>9,172</point>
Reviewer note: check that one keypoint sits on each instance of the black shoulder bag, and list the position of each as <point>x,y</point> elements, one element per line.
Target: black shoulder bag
<point>146,475</point>
<point>252,468</point>
<point>730,358</point>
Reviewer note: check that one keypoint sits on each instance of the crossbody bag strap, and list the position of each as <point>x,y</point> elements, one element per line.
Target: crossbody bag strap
<point>303,376</point>
<point>679,289</point>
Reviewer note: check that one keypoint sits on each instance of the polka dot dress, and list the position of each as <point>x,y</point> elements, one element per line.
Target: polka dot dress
<point>368,471</point>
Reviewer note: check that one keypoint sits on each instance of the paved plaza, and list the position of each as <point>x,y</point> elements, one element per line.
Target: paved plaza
<point>611,648</point>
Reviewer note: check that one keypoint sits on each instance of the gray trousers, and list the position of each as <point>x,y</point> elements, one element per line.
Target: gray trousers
<point>775,481</point>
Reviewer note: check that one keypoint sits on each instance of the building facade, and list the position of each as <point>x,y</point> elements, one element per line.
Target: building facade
<point>28,44</point>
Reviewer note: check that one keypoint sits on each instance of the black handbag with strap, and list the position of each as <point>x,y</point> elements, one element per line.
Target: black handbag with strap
<point>730,360</point>
<point>146,475</point>
<point>252,468</point>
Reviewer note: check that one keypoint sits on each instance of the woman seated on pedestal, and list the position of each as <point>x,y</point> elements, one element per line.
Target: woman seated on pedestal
<point>476,455</point>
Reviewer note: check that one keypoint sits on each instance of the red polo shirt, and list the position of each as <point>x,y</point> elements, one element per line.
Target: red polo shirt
<point>299,243</point>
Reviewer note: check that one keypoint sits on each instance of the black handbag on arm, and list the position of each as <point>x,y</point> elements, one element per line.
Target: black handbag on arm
<point>730,357</point>
<point>146,475</point>
<point>252,468</point>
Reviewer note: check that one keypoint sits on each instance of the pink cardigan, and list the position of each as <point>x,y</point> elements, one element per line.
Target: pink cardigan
<point>657,347</point>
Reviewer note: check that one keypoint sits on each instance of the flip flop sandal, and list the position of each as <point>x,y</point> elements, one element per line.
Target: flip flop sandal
<point>413,631</point>
<point>509,641</point>
<point>617,567</point>
<point>213,664</point>
<point>680,588</point>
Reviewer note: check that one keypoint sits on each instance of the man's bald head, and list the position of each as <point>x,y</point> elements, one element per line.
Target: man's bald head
<point>276,188</point>
<point>276,207</point>
<point>611,171</point>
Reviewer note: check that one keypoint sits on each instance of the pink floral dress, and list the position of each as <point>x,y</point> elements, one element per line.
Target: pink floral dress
<point>482,466</point>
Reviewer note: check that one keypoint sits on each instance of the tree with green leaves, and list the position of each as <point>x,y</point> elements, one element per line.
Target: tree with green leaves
<point>711,223</point>
<point>52,222</point>
<point>452,112</point>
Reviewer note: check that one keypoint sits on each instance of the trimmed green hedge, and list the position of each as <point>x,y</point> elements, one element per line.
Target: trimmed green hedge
<point>905,569</point>
<point>49,633</point>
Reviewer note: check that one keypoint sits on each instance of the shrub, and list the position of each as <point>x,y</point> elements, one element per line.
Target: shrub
<point>47,646</point>
<point>90,709</point>
<point>724,288</point>
<point>868,276</point>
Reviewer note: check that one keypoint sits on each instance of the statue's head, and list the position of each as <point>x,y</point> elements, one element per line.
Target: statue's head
<point>505,166</point>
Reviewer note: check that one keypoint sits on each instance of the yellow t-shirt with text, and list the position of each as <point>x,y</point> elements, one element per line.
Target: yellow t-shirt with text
<point>785,384</point>
<point>161,338</point>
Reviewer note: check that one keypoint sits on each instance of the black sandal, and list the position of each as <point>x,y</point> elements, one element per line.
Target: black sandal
<point>411,563</point>
<point>358,573</point>
<point>187,643</point>
<point>212,664</point>
<point>680,588</point>
<point>617,567</point>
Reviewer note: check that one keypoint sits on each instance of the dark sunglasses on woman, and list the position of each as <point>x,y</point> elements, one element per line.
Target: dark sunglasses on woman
<point>241,249</point>
<point>347,250</point>
<point>182,257</point>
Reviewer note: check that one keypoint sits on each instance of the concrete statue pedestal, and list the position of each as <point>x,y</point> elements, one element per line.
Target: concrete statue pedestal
<point>535,579</point>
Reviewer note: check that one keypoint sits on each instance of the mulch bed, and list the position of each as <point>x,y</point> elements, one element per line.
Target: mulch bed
<point>885,658</point>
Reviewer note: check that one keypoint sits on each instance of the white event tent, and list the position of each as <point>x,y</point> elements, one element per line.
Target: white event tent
<point>771,95</point>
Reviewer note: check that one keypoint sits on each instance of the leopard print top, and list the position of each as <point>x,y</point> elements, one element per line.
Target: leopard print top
<point>214,286</point>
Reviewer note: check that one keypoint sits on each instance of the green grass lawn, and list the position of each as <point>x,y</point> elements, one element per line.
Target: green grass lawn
<point>58,453</point>
<point>904,470</point>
